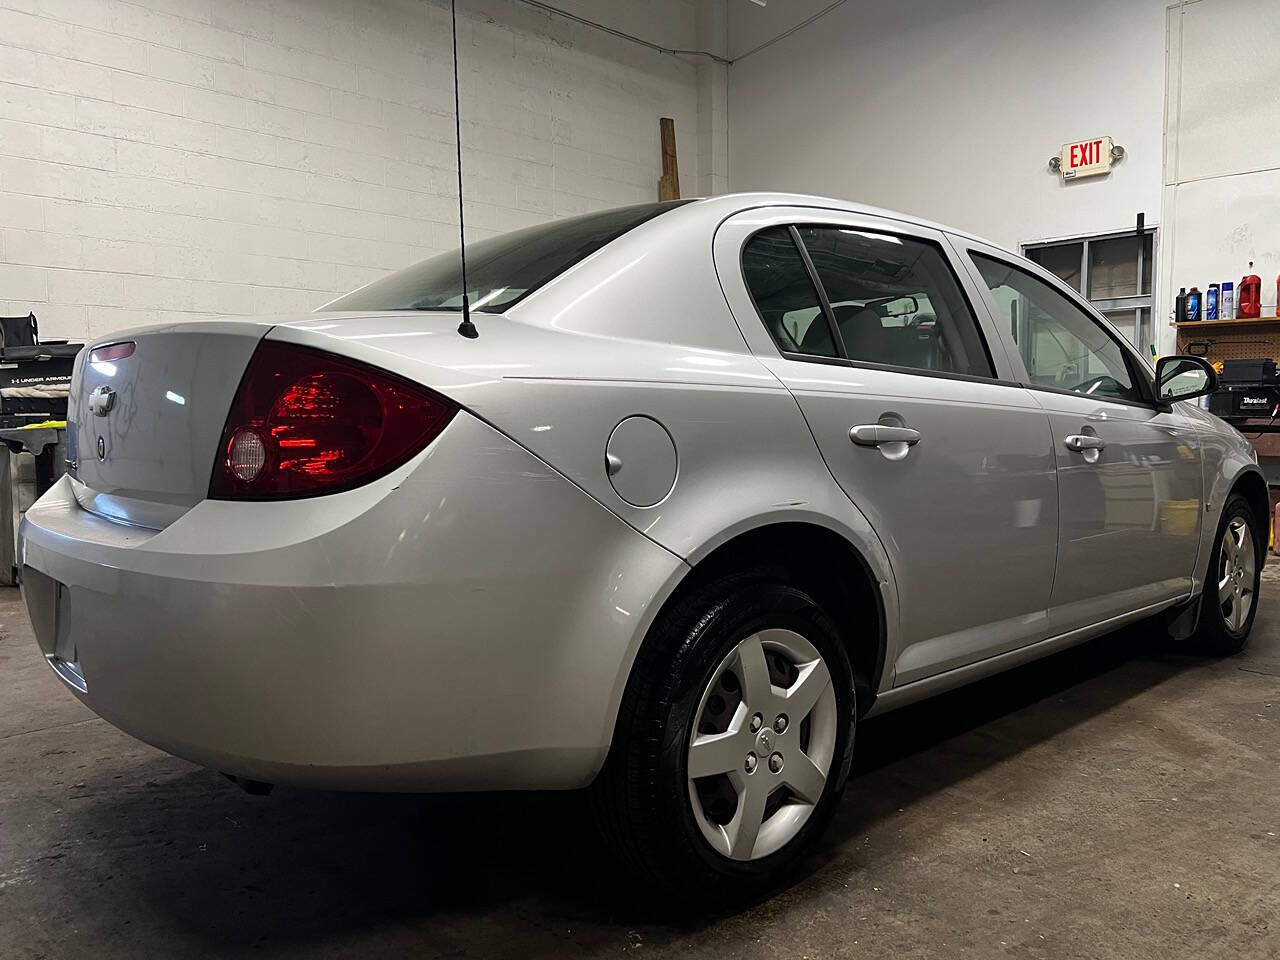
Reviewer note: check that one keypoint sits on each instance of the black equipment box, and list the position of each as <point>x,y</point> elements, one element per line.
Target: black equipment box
<point>35,378</point>
<point>1238,401</point>
<point>1251,370</point>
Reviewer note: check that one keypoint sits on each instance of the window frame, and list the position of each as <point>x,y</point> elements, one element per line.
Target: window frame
<point>1136,302</point>
<point>944,251</point>
<point>823,307</point>
<point>1139,371</point>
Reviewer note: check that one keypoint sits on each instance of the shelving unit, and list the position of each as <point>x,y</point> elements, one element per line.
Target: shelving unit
<point>1219,324</point>
<point>1219,340</point>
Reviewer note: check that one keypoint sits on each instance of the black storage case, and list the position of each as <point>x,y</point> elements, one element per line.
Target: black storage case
<point>1239,401</point>
<point>27,363</point>
<point>1251,370</point>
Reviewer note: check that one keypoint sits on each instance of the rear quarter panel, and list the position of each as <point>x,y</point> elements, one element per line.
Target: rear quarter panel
<point>745,459</point>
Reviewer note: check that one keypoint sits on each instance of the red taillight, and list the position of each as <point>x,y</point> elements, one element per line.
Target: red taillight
<point>305,423</point>
<point>111,351</point>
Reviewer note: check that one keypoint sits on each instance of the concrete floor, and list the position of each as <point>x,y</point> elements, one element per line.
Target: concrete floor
<point>1113,801</point>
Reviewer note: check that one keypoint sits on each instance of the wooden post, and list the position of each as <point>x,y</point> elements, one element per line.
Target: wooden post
<point>669,183</point>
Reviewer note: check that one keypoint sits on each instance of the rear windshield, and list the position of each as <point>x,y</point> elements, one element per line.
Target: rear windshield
<point>500,270</point>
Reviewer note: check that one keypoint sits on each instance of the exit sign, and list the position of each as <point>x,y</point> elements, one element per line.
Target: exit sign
<point>1086,158</point>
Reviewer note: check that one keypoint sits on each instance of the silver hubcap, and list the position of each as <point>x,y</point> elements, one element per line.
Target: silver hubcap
<point>762,745</point>
<point>1237,566</point>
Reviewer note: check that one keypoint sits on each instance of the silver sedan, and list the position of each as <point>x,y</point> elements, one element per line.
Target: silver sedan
<point>714,481</point>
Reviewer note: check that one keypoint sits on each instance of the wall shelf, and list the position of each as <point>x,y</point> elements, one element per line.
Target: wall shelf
<point>1218,324</point>
<point>1221,340</point>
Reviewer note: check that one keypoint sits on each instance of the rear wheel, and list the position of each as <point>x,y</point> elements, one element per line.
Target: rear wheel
<point>1230,598</point>
<point>733,741</point>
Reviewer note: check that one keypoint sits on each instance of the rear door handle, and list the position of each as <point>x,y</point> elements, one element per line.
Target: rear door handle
<point>878,434</point>
<point>1081,441</point>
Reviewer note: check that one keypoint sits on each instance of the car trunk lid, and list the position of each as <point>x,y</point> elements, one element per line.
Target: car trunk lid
<point>143,428</point>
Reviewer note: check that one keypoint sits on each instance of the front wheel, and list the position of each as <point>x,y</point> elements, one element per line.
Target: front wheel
<point>1230,598</point>
<point>733,741</point>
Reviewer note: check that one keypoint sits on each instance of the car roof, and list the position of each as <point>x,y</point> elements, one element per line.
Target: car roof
<point>659,282</point>
<point>726,205</point>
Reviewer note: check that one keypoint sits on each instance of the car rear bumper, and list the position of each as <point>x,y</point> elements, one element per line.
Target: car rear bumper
<point>465,623</point>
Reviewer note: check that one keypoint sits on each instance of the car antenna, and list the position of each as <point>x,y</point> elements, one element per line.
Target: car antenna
<point>466,327</point>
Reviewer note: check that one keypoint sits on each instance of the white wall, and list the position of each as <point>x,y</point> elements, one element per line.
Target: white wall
<point>167,159</point>
<point>713,93</point>
<point>951,110</point>
<point>1222,169</point>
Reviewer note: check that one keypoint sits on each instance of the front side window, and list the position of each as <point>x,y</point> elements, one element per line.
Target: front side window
<point>896,301</point>
<point>1062,347</point>
<point>500,270</point>
<point>1112,271</point>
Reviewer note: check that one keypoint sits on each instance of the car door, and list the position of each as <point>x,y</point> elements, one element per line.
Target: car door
<point>1129,473</point>
<point>869,324</point>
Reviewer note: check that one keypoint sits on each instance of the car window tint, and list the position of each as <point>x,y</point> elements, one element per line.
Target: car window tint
<point>1061,345</point>
<point>896,301</point>
<point>784,294</point>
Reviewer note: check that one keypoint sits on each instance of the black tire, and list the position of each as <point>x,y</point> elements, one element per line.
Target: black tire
<point>1213,635</point>
<point>642,800</point>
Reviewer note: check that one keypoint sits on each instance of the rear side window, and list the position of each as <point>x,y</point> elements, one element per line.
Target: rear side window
<point>896,301</point>
<point>500,270</point>
<point>785,295</point>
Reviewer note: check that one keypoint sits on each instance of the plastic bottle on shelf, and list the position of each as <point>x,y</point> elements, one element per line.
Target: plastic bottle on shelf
<point>1193,304</point>
<point>1249,306</point>
<point>1227,302</point>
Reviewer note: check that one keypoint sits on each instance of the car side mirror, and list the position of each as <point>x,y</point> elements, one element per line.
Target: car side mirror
<point>1181,378</point>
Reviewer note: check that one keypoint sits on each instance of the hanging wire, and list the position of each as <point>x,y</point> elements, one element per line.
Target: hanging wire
<point>548,8</point>
<point>790,30</point>
<point>674,51</point>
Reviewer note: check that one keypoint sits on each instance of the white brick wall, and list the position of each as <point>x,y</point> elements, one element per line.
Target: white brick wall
<point>169,159</point>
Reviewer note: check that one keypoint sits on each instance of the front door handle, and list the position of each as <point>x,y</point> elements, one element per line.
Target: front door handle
<point>1082,441</point>
<point>1088,445</point>
<point>879,434</point>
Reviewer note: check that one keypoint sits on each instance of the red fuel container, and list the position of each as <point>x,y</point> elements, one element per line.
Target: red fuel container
<point>1249,297</point>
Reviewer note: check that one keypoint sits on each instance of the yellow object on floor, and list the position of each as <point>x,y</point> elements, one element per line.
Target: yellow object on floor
<point>46,425</point>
